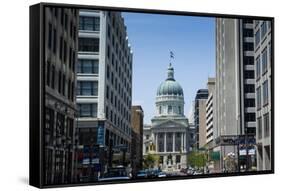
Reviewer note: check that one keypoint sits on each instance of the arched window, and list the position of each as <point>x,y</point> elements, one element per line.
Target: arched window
<point>170,109</point>
<point>160,109</point>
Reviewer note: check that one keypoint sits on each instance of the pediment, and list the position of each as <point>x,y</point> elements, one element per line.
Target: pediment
<point>168,124</point>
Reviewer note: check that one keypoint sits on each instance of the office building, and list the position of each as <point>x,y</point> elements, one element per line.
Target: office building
<point>104,92</point>
<point>60,104</point>
<point>235,91</point>
<point>200,117</point>
<point>263,63</point>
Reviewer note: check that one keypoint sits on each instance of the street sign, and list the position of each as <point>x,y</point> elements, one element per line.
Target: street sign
<point>95,161</point>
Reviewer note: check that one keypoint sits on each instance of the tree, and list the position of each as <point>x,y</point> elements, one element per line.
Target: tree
<point>197,159</point>
<point>150,160</point>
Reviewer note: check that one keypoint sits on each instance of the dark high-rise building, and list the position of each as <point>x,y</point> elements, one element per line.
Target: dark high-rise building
<point>200,117</point>
<point>59,131</point>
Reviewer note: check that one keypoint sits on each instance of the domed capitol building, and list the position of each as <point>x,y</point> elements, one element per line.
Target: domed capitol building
<point>167,136</point>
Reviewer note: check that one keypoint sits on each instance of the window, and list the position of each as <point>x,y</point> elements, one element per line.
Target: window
<point>87,66</point>
<point>247,32</point>
<point>263,29</point>
<point>89,23</point>
<point>264,60</point>
<point>64,51</point>
<point>71,31</point>
<point>259,98</point>
<point>48,73</point>
<point>249,74</point>
<point>266,124</point>
<point>61,46</point>
<point>169,109</point>
<point>248,46</point>
<point>69,89</point>
<point>63,84</point>
<point>66,21</point>
<point>248,60</point>
<point>53,73</point>
<point>70,57</point>
<point>265,92</point>
<point>249,88</point>
<point>59,82</point>
<point>249,102</point>
<point>89,44</point>
<point>87,88</point>
<point>62,16</point>
<point>178,158</point>
<point>258,67</point>
<point>269,53</point>
<point>146,137</point>
<point>73,60</point>
<point>247,21</point>
<point>259,124</point>
<point>160,109</point>
<point>257,38</point>
<point>87,110</point>
<point>107,92</point>
<point>250,117</point>
<point>50,36</point>
<point>55,42</point>
<point>180,110</point>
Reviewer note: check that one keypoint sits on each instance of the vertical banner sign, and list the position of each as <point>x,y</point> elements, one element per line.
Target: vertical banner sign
<point>100,134</point>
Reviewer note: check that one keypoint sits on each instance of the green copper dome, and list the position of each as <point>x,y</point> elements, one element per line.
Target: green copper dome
<point>170,86</point>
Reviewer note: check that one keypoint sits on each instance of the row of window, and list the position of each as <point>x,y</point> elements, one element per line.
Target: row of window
<point>110,95</point>
<point>118,121</point>
<point>170,110</point>
<point>57,80</point>
<point>88,66</point>
<point>57,128</point>
<point>261,32</point>
<point>115,139</point>
<point>64,51</point>
<point>88,44</point>
<point>265,95</point>
<point>89,23</point>
<point>262,63</point>
<point>87,88</point>
<point>115,82</point>
<point>119,36</point>
<point>266,126</point>
<point>87,109</point>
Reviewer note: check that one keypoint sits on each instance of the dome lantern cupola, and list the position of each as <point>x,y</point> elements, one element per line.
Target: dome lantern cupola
<point>170,73</point>
<point>170,86</point>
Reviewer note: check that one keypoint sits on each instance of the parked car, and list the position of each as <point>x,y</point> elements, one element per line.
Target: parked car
<point>162,174</point>
<point>142,174</point>
<point>117,173</point>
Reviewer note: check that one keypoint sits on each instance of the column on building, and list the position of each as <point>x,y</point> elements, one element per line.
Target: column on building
<point>165,142</point>
<point>182,141</point>
<point>174,142</point>
<point>156,142</point>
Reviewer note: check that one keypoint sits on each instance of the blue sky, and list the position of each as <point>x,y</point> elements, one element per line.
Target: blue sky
<point>152,36</point>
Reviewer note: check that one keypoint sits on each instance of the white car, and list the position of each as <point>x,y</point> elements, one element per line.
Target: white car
<point>162,174</point>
